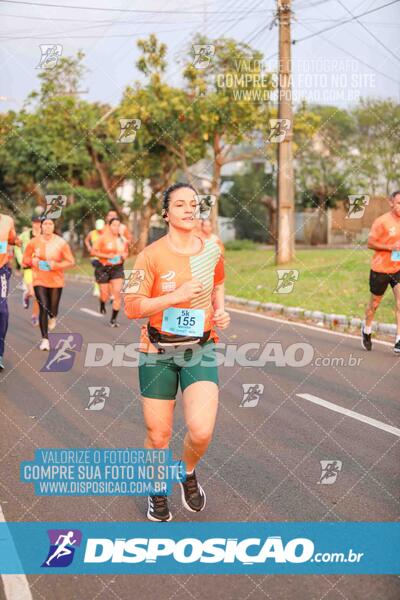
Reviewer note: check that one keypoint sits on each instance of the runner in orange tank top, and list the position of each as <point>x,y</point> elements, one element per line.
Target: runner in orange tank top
<point>48,255</point>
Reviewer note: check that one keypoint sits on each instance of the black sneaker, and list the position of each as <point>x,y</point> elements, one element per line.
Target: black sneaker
<point>158,509</point>
<point>102,308</point>
<point>397,347</point>
<point>193,495</point>
<point>113,323</point>
<point>366,340</point>
<point>1,363</point>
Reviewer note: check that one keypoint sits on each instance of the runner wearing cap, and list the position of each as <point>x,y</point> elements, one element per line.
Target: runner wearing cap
<point>384,238</point>
<point>178,283</point>
<point>48,255</point>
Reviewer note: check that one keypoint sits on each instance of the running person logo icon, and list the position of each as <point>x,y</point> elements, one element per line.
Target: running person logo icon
<point>63,543</point>
<point>128,130</point>
<point>54,206</point>
<point>50,55</point>
<point>279,129</point>
<point>62,352</point>
<point>330,471</point>
<point>251,394</point>
<point>357,206</point>
<point>97,397</point>
<point>203,54</point>
<point>133,279</point>
<point>286,280</point>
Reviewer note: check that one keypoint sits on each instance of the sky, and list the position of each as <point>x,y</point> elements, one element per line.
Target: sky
<point>360,58</point>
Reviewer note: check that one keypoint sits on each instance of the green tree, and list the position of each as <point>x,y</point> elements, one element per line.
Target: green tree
<point>226,122</point>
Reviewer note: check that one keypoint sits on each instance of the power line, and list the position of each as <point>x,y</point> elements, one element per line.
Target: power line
<point>370,32</point>
<point>357,58</point>
<point>368,12</point>
<point>125,10</point>
<point>105,23</point>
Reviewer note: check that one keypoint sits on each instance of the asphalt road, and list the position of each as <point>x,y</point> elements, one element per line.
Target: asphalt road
<point>263,464</point>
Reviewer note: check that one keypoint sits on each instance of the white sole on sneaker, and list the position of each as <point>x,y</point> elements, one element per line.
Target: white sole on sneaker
<point>186,505</point>
<point>151,518</point>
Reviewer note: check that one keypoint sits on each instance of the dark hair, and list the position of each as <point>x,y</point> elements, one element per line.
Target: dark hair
<point>394,194</point>
<point>114,219</point>
<point>168,192</point>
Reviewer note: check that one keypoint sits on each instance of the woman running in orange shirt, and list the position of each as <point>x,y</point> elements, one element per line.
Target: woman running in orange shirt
<point>48,255</point>
<point>111,249</point>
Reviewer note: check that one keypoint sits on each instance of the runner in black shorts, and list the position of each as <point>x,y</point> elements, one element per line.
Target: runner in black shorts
<point>111,249</point>
<point>384,238</point>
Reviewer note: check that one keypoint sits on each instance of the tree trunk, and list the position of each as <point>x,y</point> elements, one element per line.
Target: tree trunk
<point>105,180</point>
<point>146,213</point>
<point>271,204</point>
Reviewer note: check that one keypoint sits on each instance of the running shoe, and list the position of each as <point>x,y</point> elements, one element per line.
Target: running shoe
<point>193,495</point>
<point>366,340</point>
<point>113,323</point>
<point>1,363</point>
<point>34,321</point>
<point>52,323</point>
<point>25,300</point>
<point>157,509</point>
<point>397,347</point>
<point>44,344</point>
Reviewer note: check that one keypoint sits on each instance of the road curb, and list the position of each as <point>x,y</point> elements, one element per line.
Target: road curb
<point>296,313</point>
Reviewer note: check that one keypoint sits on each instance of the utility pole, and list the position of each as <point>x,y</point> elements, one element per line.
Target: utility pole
<point>285,239</point>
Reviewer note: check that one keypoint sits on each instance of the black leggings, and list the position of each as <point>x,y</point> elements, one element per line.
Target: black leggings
<point>48,300</point>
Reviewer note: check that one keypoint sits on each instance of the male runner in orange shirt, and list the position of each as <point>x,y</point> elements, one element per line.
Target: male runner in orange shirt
<point>384,238</point>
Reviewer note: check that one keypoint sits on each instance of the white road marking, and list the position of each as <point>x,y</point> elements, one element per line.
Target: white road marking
<point>16,587</point>
<point>351,413</point>
<point>305,325</point>
<point>89,311</point>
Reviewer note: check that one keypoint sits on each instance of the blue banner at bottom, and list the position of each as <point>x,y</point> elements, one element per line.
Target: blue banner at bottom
<point>200,548</point>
